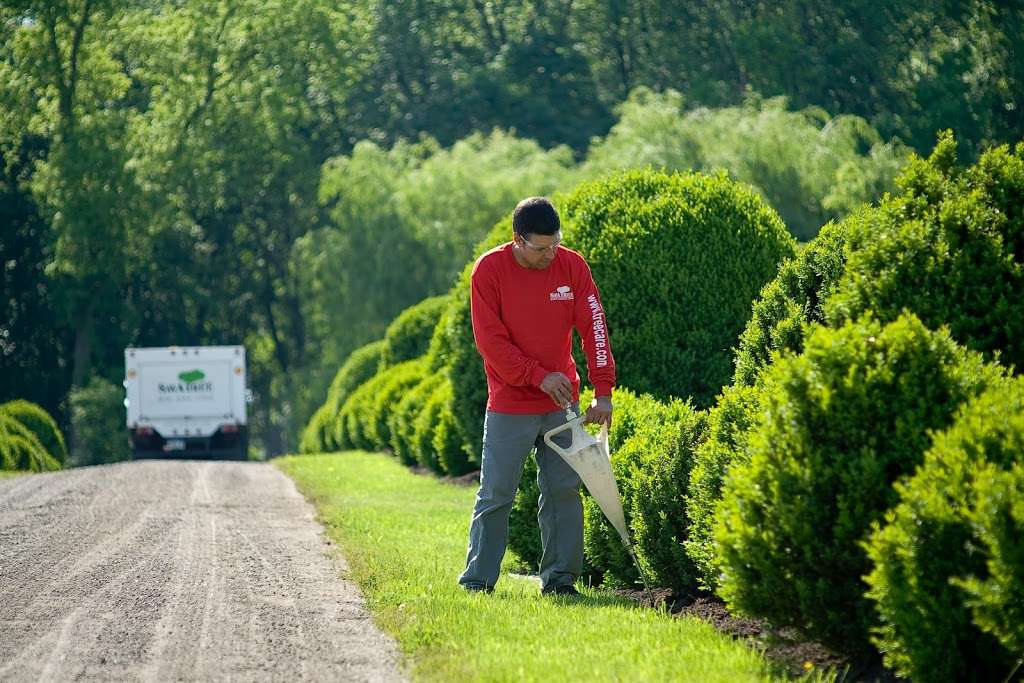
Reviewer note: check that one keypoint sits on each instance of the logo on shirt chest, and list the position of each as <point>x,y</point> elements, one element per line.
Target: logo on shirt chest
<point>563,293</point>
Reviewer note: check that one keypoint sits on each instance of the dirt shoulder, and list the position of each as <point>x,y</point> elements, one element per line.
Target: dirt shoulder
<point>176,570</point>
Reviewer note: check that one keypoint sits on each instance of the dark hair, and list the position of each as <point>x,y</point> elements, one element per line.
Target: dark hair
<point>536,216</point>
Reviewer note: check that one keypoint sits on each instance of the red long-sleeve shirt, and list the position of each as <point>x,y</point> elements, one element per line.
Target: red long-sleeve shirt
<point>523,320</point>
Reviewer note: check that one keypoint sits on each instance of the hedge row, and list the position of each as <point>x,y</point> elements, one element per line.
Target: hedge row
<point>948,577</point>
<point>872,368</point>
<point>29,438</point>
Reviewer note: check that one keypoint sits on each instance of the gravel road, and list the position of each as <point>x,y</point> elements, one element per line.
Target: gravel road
<point>176,570</point>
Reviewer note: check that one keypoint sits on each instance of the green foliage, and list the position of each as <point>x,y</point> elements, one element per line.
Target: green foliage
<point>523,529</point>
<point>395,382</point>
<point>358,368</point>
<point>41,424</point>
<point>408,336</point>
<point>315,435</point>
<point>97,423</point>
<point>997,599</point>
<point>730,423</point>
<point>354,416</point>
<point>421,440</point>
<point>843,421</point>
<point>401,422</point>
<point>950,249</point>
<point>447,440</point>
<point>792,301</point>
<point>652,468</point>
<point>948,566</point>
<point>808,166</point>
<point>701,247</point>
<point>21,449</point>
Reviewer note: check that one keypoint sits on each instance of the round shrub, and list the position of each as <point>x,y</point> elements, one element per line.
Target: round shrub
<point>843,421</point>
<point>793,300</point>
<point>447,440</point>
<point>679,259</point>
<point>439,350</point>
<point>996,597</point>
<point>408,336</point>
<point>403,417</point>
<point>962,506</point>
<point>424,428</point>
<point>98,423</point>
<point>359,367</point>
<point>20,448</point>
<point>314,435</point>
<point>729,425</point>
<point>358,412</point>
<point>41,424</point>
<point>652,469</point>
<point>396,381</point>
<point>950,249</point>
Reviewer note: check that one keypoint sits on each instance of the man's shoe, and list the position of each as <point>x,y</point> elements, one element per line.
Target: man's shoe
<point>478,588</point>
<point>569,591</point>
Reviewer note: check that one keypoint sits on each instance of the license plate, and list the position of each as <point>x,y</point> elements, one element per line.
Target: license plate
<point>174,445</point>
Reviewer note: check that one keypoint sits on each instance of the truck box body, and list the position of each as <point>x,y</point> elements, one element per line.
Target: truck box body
<point>186,400</point>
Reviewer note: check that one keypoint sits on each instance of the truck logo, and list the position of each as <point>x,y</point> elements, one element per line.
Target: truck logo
<point>191,376</point>
<point>191,383</point>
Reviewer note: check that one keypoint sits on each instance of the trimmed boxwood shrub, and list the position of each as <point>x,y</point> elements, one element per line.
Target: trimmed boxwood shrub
<point>314,436</point>
<point>41,424</point>
<point>793,300</point>
<point>996,598</point>
<point>679,259</point>
<point>960,510</point>
<point>729,425</point>
<point>359,367</point>
<point>21,449</point>
<point>950,249</point>
<point>421,443</point>
<point>408,336</point>
<point>652,469</point>
<point>403,418</point>
<point>358,412</point>
<point>395,382</point>
<point>843,421</point>
<point>440,454</point>
<point>447,440</point>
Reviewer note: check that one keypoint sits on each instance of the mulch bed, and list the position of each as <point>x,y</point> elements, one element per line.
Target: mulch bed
<point>783,646</point>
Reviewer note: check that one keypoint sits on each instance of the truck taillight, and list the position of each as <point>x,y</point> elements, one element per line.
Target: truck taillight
<point>229,428</point>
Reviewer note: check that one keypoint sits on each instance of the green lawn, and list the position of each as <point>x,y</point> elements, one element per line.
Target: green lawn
<point>404,536</point>
<point>4,474</point>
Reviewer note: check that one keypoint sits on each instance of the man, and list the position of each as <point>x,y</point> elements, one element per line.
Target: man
<point>527,296</point>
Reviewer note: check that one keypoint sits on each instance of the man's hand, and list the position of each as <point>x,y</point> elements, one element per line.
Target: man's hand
<point>558,387</point>
<point>600,411</point>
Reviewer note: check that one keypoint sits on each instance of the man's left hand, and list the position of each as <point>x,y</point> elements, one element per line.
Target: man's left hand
<point>600,411</point>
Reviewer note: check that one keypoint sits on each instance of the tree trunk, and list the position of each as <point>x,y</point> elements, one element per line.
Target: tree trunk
<point>81,366</point>
<point>82,359</point>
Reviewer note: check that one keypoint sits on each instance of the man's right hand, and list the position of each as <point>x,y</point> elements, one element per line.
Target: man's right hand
<point>558,387</point>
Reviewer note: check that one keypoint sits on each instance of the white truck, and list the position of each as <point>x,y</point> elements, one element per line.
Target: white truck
<point>187,401</point>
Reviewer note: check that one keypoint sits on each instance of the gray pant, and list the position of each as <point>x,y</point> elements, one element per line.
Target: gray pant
<point>507,442</point>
